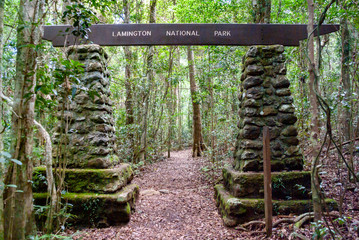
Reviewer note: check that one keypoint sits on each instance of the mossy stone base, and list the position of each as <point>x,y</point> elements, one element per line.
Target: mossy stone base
<point>285,185</point>
<point>235,210</point>
<point>97,210</point>
<point>88,180</point>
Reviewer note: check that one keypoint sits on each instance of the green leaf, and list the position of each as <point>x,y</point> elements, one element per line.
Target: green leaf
<point>11,185</point>
<point>16,161</point>
<point>6,154</point>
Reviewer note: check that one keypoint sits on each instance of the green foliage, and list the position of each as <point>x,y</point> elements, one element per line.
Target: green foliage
<point>81,17</point>
<point>320,230</point>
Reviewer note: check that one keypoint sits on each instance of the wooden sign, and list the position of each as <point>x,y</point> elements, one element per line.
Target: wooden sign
<point>186,34</point>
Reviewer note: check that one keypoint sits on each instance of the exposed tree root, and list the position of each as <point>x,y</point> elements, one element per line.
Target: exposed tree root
<point>298,222</point>
<point>295,235</point>
<point>285,220</point>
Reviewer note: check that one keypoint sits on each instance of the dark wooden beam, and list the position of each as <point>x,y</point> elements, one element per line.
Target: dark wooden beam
<point>186,34</point>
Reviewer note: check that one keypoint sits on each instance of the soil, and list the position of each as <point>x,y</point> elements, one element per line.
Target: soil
<point>176,202</point>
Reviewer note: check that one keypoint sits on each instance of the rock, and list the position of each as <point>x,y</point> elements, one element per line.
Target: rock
<point>250,60</point>
<point>253,121</point>
<point>250,112</point>
<point>252,81</point>
<point>252,52</point>
<point>292,151</point>
<point>254,70</point>
<point>251,132</point>
<point>249,154</point>
<point>290,140</point>
<point>94,66</point>
<point>255,93</point>
<point>287,118</point>
<point>251,103</point>
<point>290,131</point>
<point>280,68</point>
<point>268,110</point>
<point>287,108</point>
<point>269,71</point>
<point>90,77</point>
<point>279,49</point>
<point>252,144</point>
<point>286,100</point>
<point>149,192</point>
<point>280,82</point>
<point>283,92</point>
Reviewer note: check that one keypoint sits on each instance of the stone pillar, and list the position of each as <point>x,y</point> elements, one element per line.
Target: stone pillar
<point>91,138</point>
<point>266,101</point>
<point>97,185</point>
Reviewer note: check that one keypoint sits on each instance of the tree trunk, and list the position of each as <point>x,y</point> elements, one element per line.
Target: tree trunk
<point>262,11</point>
<point>2,167</point>
<point>19,222</point>
<point>345,81</point>
<point>143,141</point>
<point>198,146</point>
<point>315,186</point>
<point>128,80</point>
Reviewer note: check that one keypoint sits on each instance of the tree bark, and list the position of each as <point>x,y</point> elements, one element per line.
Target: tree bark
<point>315,186</point>
<point>143,141</point>
<point>198,146</point>
<point>2,167</point>
<point>19,222</point>
<point>262,11</point>
<point>345,81</point>
<point>128,80</point>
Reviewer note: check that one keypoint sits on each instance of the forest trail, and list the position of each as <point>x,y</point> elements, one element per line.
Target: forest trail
<point>176,202</point>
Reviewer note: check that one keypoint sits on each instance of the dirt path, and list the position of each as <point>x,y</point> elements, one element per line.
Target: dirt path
<point>176,202</point>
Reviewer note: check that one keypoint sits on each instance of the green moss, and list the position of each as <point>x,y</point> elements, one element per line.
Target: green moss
<point>90,180</point>
<point>240,210</point>
<point>128,209</point>
<point>90,209</point>
<point>286,185</point>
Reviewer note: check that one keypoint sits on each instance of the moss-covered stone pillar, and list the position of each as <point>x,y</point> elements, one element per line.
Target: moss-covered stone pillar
<point>266,101</point>
<point>96,184</point>
<point>90,134</point>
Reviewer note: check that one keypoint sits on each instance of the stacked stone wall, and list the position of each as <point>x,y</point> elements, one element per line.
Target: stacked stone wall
<point>91,134</point>
<point>266,101</point>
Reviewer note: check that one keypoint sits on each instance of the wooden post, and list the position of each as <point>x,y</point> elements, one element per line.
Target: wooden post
<point>267,181</point>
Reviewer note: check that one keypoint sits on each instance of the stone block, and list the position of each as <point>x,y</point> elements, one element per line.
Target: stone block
<point>236,211</point>
<point>96,210</point>
<point>285,185</point>
<point>254,70</point>
<point>252,81</point>
<point>88,180</point>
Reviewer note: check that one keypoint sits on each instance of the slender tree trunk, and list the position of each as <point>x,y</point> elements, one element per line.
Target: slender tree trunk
<point>128,80</point>
<point>210,86</point>
<point>262,11</point>
<point>198,146</point>
<point>150,73</point>
<point>179,115</point>
<point>170,101</point>
<point>2,167</point>
<point>314,110</point>
<point>19,222</point>
<point>345,80</point>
